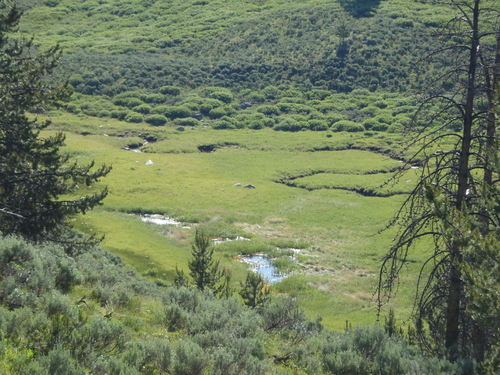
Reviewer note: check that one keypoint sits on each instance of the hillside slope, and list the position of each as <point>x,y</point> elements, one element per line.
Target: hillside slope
<point>122,44</point>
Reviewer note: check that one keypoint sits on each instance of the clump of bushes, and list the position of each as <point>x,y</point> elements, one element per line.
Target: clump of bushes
<point>317,125</point>
<point>156,120</point>
<point>219,93</point>
<point>133,117</point>
<point>290,124</point>
<point>219,112</point>
<point>187,121</point>
<point>143,108</point>
<point>348,126</point>
<point>170,90</point>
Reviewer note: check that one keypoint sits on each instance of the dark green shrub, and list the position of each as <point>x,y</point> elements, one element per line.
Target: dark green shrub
<point>379,127</point>
<point>269,110</point>
<point>290,124</point>
<point>282,313</point>
<point>348,126</point>
<point>154,98</point>
<point>128,102</point>
<point>219,93</point>
<point>161,109</point>
<point>332,118</point>
<point>254,291</point>
<point>175,318</point>
<point>131,94</point>
<point>294,108</point>
<point>149,356</point>
<point>385,118</point>
<point>371,123</point>
<point>174,112</point>
<point>225,123</point>
<point>190,359</point>
<point>119,114</point>
<point>317,125</point>
<point>219,112</point>
<point>60,362</point>
<point>156,120</point>
<point>257,97</point>
<point>104,113</point>
<point>271,92</point>
<point>100,335</point>
<point>208,104</point>
<point>380,104</point>
<point>346,362</point>
<point>133,117</point>
<point>318,94</point>
<point>67,275</point>
<point>325,107</point>
<point>170,90</point>
<point>72,108</point>
<point>143,108</point>
<point>370,110</point>
<point>188,121</point>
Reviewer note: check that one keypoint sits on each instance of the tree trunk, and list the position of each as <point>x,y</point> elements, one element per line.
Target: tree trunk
<point>455,287</point>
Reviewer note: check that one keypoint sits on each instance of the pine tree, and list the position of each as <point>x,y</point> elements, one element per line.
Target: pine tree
<point>458,156</point>
<point>39,185</point>
<point>204,269</point>
<point>254,291</point>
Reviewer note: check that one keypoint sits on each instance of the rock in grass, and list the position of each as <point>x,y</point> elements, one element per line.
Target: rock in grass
<point>149,162</point>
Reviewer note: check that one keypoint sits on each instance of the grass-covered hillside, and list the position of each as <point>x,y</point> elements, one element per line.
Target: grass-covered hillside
<point>113,46</point>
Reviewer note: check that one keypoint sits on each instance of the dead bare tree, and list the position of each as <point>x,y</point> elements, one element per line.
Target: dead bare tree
<point>458,153</point>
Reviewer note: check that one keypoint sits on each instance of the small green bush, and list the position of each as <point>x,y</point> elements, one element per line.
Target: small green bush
<point>119,114</point>
<point>317,125</point>
<point>290,124</point>
<point>269,110</point>
<point>225,123</point>
<point>332,118</point>
<point>133,117</point>
<point>187,121</point>
<point>219,93</point>
<point>347,126</point>
<point>173,112</point>
<point>154,98</point>
<point>208,104</point>
<point>190,359</point>
<point>127,102</point>
<point>72,108</point>
<point>104,113</point>
<point>219,112</point>
<point>156,120</point>
<point>143,108</point>
<point>170,90</point>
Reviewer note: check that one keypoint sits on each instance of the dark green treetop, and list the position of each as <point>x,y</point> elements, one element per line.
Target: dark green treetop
<point>204,270</point>
<point>38,182</point>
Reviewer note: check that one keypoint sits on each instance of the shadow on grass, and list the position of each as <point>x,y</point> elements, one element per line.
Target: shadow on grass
<point>360,8</point>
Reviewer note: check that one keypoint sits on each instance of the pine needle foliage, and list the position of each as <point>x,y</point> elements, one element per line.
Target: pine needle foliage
<point>38,183</point>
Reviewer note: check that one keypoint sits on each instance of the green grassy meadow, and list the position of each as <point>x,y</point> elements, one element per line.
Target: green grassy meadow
<point>337,230</point>
<point>304,100</point>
